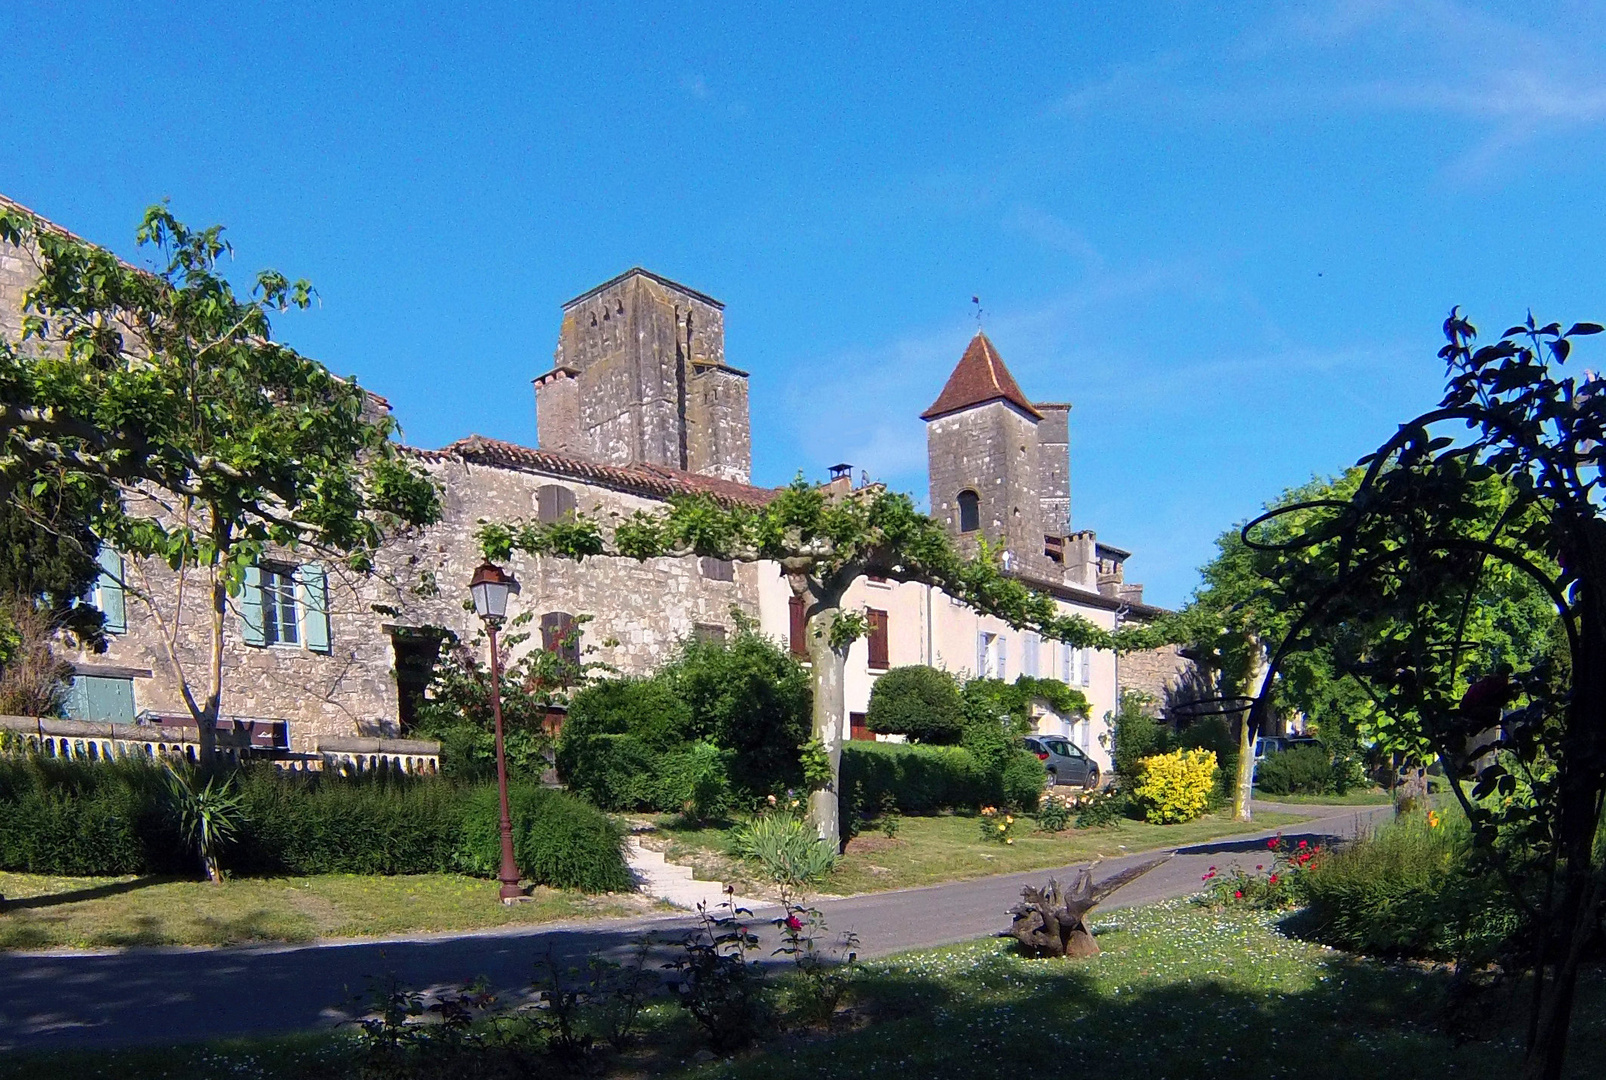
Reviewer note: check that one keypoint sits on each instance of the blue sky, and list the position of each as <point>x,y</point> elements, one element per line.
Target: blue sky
<point>1228,239</point>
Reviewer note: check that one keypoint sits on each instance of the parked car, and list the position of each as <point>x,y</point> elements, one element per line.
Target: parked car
<point>1274,744</point>
<point>1065,761</point>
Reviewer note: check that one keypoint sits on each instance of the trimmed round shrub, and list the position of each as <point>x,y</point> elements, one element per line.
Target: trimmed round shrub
<point>1303,770</point>
<point>918,701</point>
<point>1175,787</point>
<point>558,840</point>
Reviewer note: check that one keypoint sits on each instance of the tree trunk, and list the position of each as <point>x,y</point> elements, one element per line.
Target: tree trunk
<point>830,715</point>
<point>1248,733</point>
<point>206,718</point>
<point>1244,791</point>
<point>1576,916</point>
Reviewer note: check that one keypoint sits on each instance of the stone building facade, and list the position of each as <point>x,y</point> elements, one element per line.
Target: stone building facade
<point>640,405</point>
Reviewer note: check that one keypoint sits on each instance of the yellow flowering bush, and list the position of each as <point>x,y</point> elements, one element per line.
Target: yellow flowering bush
<point>1175,787</point>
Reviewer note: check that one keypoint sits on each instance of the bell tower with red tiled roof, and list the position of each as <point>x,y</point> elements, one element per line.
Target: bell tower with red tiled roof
<point>998,463</point>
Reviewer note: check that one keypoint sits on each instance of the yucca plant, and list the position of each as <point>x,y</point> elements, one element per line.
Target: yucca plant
<point>209,816</point>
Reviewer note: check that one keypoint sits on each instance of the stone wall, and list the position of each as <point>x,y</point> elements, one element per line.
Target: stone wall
<point>17,272</point>
<point>642,612</point>
<point>1154,672</point>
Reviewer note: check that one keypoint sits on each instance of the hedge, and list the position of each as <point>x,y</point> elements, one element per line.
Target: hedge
<point>927,779</point>
<point>111,818</point>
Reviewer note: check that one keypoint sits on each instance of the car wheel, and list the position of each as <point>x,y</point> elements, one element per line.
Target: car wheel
<point>1053,778</point>
<point>1092,779</point>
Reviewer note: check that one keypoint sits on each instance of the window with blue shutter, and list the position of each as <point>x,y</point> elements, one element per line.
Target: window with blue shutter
<point>250,603</point>
<point>312,590</point>
<point>109,591</point>
<point>101,699</point>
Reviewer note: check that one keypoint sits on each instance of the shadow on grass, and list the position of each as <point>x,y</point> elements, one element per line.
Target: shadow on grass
<point>74,896</point>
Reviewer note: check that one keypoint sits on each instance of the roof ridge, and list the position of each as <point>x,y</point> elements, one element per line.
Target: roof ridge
<point>980,377</point>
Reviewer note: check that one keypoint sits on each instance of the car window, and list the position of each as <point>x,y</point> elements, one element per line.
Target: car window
<point>1063,749</point>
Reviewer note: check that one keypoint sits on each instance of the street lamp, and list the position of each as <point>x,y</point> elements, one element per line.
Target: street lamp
<point>490,588</point>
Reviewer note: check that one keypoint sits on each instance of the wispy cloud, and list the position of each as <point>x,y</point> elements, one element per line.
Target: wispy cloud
<point>1513,82</point>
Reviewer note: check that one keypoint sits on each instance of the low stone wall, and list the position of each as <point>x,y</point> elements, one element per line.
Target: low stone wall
<point>92,741</point>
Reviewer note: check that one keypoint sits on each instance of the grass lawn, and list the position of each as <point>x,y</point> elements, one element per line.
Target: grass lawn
<point>42,912</point>
<point>928,850</point>
<point>1180,991</point>
<point>1362,797</point>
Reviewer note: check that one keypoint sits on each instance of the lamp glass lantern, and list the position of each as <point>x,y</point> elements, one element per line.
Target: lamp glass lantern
<point>490,587</point>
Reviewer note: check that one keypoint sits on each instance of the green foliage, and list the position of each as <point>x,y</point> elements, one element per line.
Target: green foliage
<point>1415,888</point>
<point>1103,809</point>
<point>116,817</point>
<point>1304,770</point>
<point>457,711</point>
<point>210,815</point>
<point>1213,733</point>
<point>1053,814</point>
<point>720,721</point>
<point>922,779</point>
<point>558,839</point>
<point>48,552</point>
<point>1023,779</point>
<point>748,696</point>
<point>1137,735</point>
<point>170,382</point>
<point>996,826</point>
<point>786,847</point>
<point>695,781</point>
<point>918,701</point>
<point>376,823</point>
<point>815,764</point>
<point>80,818</point>
<point>1175,787</point>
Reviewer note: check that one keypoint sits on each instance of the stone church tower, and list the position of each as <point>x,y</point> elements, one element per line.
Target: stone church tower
<point>1000,468</point>
<point>640,377</point>
<point>999,464</point>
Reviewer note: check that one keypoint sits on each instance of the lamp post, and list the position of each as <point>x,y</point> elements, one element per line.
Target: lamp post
<point>490,588</point>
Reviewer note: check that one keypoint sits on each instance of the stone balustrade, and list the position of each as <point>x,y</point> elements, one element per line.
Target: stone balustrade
<point>358,755</point>
<point>99,741</point>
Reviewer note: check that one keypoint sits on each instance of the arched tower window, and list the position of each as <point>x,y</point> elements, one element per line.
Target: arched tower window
<point>969,511</point>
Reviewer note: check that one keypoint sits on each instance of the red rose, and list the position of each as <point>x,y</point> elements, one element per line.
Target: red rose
<point>1304,844</point>
<point>1274,879</point>
<point>794,923</point>
<point>1239,895</point>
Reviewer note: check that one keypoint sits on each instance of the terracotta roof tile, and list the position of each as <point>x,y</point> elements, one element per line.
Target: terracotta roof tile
<point>979,378</point>
<point>653,481</point>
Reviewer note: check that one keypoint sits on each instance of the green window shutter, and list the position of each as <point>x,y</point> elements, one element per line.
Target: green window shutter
<point>251,625</point>
<point>110,591</point>
<point>76,705</point>
<point>312,588</point>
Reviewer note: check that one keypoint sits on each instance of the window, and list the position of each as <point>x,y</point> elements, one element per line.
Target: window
<point>991,656</point>
<point>859,727</point>
<point>101,699</point>
<point>969,511</point>
<point>281,625</point>
<point>878,579</point>
<point>708,633</point>
<point>799,630</point>
<point>553,502</point>
<point>1028,654</point>
<point>287,606</point>
<point>558,635</point>
<point>107,593</point>
<point>878,639</point>
<point>1076,666</point>
<point>1054,549</point>
<point>717,569</point>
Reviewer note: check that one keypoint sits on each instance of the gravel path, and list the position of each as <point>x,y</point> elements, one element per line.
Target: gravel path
<point>177,995</point>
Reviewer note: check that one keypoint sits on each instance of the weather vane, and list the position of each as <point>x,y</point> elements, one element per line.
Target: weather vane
<point>977,301</point>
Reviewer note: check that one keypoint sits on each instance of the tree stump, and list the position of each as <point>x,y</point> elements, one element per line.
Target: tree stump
<point>1050,923</point>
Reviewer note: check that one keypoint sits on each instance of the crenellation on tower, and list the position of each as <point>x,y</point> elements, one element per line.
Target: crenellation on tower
<point>650,383</point>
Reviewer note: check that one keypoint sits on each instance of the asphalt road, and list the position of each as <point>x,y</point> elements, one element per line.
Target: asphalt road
<point>59,1000</point>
